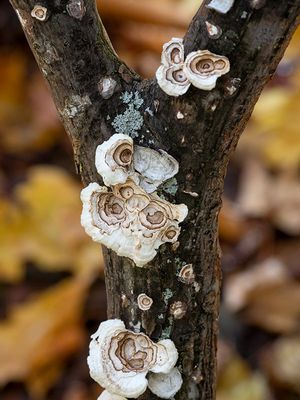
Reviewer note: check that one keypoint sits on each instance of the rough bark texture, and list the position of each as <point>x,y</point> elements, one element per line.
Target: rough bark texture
<point>74,54</point>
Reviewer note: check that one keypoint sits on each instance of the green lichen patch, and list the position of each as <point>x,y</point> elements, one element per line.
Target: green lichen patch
<point>131,120</point>
<point>166,332</point>
<point>167,295</point>
<point>170,186</point>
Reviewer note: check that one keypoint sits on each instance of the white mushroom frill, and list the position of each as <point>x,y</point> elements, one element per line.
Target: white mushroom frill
<point>130,221</point>
<point>119,359</point>
<point>200,68</point>
<point>130,218</point>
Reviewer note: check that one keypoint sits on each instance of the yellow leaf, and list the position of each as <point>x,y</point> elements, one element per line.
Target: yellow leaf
<point>39,335</point>
<point>43,226</point>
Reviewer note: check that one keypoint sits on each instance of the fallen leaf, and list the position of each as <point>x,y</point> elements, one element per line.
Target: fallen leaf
<point>238,287</point>
<point>41,334</point>
<point>43,226</point>
<point>282,363</point>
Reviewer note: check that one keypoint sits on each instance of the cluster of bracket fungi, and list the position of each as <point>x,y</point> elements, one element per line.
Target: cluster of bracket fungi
<point>200,68</point>
<point>130,219</point>
<point>128,216</point>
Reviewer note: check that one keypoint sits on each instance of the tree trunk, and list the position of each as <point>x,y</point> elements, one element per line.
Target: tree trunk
<point>74,55</point>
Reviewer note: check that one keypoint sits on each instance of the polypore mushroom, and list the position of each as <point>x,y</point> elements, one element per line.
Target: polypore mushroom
<point>144,302</point>
<point>119,359</point>
<point>167,385</point>
<point>154,167</point>
<point>130,221</point>
<point>172,80</point>
<point>170,75</point>
<point>173,52</point>
<point>114,159</point>
<point>117,159</point>
<point>203,68</point>
<point>178,309</point>
<point>106,395</point>
<point>39,12</point>
<point>186,274</point>
<point>221,6</point>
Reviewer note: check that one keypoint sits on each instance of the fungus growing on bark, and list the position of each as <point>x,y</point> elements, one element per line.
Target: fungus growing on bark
<point>178,309</point>
<point>200,68</point>
<point>170,75</point>
<point>39,12</point>
<point>214,31</point>
<point>76,9</point>
<point>114,159</point>
<point>221,6</point>
<point>186,274</point>
<point>203,68</point>
<point>130,221</point>
<point>144,302</point>
<point>107,86</point>
<point>172,80</point>
<point>106,395</point>
<point>117,159</point>
<point>154,167</point>
<point>167,385</point>
<point>173,52</point>
<point>119,359</point>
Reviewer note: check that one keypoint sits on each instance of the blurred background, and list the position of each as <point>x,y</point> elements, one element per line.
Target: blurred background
<point>52,294</point>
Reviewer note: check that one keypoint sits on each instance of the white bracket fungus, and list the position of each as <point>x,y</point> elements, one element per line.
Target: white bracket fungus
<point>130,221</point>
<point>200,68</point>
<point>39,12</point>
<point>153,167</point>
<point>107,86</point>
<point>144,302</point>
<point>117,159</point>
<point>119,359</point>
<point>221,6</point>
<point>203,68</point>
<point>178,309</point>
<point>106,395</point>
<point>214,31</point>
<point>186,274</point>
<point>167,385</point>
<point>114,159</point>
<point>170,75</point>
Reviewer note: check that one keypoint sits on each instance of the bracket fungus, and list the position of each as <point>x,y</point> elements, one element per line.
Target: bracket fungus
<point>153,167</point>
<point>144,302</point>
<point>167,385</point>
<point>119,359</point>
<point>200,68</point>
<point>117,159</point>
<point>203,68</point>
<point>130,221</point>
<point>114,159</point>
<point>186,274</point>
<point>39,12</point>
<point>170,75</point>
<point>106,395</point>
<point>178,309</point>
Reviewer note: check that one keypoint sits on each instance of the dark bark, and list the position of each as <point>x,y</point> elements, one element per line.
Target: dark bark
<point>74,55</point>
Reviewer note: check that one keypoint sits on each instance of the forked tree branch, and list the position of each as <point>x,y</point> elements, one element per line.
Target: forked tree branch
<point>74,55</point>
